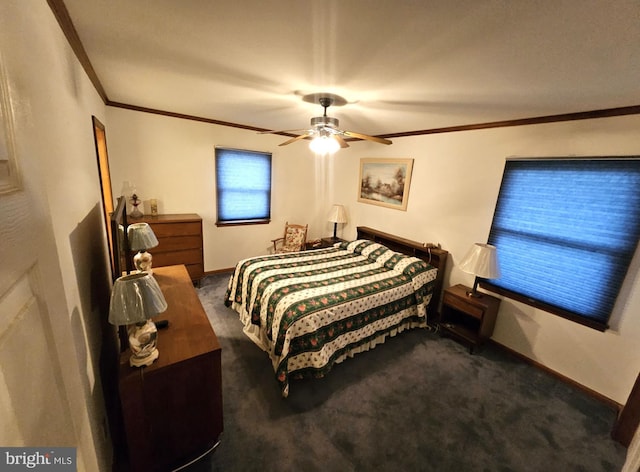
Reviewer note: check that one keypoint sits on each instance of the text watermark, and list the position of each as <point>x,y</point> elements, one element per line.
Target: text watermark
<point>52,459</point>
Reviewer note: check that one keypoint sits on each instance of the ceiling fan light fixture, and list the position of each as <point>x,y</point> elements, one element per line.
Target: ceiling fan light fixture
<point>324,145</point>
<point>327,137</point>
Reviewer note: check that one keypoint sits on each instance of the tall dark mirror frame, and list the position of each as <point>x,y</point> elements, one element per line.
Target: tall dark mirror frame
<point>122,262</point>
<point>119,241</point>
<point>100,140</point>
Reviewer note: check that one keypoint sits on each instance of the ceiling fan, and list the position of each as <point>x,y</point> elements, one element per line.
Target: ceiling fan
<point>324,132</point>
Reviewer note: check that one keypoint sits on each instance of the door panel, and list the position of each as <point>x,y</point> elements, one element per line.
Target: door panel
<point>33,401</point>
<point>31,385</point>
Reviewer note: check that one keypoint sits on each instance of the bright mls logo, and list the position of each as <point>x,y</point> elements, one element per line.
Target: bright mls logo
<point>62,459</point>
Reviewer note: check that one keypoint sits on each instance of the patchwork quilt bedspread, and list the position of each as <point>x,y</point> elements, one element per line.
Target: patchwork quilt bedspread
<point>309,310</point>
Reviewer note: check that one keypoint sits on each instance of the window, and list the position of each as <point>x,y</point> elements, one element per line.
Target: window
<point>566,230</point>
<point>243,182</point>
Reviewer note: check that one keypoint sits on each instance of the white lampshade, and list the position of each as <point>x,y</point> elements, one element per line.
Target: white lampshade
<point>134,299</point>
<point>337,214</point>
<point>481,261</point>
<point>141,237</point>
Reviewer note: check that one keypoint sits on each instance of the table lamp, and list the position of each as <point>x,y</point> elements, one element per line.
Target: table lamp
<point>135,299</point>
<point>481,261</point>
<point>337,215</point>
<point>135,202</point>
<point>141,237</point>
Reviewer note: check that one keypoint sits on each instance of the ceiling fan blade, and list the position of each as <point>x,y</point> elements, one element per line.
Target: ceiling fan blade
<point>283,131</point>
<point>352,134</point>
<point>292,140</point>
<point>341,141</point>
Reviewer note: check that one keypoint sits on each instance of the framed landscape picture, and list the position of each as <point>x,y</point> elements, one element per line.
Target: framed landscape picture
<point>385,182</point>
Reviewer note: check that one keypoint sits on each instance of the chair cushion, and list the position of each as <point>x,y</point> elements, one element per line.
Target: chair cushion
<point>294,238</point>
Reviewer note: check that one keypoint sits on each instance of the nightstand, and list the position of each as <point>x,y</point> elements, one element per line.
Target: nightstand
<point>329,242</point>
<point>322,243</point>
<point>468,319</point>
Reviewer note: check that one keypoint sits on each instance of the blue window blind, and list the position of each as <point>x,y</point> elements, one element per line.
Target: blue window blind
<point>243,182</point>
<point>566,231</point>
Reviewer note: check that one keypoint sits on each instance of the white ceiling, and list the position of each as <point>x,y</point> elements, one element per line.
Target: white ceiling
<point>403,65</point>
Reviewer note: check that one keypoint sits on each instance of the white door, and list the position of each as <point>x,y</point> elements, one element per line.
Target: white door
<point>34,409</point>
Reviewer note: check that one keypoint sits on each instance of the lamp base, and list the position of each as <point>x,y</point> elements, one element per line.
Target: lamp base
<point>142,260</point>
<point>473,293</point>
<point>147,361</point>
<point>142,341</point>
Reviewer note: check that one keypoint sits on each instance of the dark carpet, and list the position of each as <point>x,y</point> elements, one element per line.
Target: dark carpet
<point>419,402</point>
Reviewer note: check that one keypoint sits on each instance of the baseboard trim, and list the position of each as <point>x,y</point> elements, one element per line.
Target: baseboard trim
<point>592,393</point>
<point>219,271</point>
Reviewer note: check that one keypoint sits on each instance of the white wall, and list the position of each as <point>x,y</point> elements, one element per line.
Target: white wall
<point>54,102</point>
<point>173,161</point>
<point>456,178</point>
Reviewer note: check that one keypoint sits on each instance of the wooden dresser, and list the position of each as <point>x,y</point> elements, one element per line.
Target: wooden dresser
<point>180,241</point>
<point>172,409</point>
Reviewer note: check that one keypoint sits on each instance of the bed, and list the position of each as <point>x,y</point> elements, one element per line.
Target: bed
<point>312,309</point>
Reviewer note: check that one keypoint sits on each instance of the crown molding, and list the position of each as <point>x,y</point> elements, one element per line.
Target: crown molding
<point>61,13</point>
<point>64,20</point>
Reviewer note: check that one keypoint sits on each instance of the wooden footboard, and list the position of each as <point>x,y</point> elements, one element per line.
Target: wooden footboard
<point>430,253</point>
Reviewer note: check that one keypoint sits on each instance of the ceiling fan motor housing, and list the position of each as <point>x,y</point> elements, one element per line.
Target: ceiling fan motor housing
<point>324,121</point>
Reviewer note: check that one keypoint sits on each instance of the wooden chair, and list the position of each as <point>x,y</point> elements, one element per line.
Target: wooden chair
<point>294,239</point>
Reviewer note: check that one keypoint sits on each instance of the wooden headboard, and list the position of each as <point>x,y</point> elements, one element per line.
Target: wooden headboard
<point>428,252</point>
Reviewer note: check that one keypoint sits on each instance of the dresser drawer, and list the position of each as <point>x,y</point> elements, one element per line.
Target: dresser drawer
<point>188,256</point>
<point>163,230</point>
<point>166,244</point>
<point>463,305</point>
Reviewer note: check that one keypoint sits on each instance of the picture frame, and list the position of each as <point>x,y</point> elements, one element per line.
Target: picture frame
<point>385,182</point>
